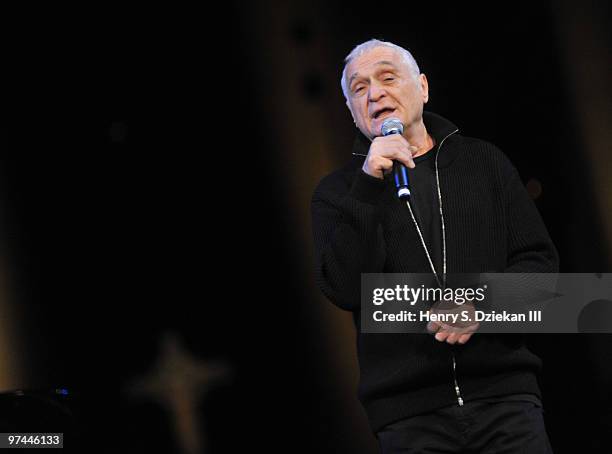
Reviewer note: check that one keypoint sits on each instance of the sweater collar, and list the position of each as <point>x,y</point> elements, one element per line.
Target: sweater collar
<point>437,126</point>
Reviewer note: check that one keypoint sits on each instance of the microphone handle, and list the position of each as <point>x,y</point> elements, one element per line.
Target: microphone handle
<point>400,175</point>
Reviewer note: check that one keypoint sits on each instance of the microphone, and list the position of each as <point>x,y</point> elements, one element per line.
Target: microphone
<point>400,173</point>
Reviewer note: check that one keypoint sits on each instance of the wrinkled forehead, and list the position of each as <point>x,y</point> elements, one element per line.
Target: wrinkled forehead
<point>373,58</point>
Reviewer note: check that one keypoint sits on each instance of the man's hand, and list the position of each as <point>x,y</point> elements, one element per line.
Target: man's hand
<point>457,332</point>
<point>384,150</point>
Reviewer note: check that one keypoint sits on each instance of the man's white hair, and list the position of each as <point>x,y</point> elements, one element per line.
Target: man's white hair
<point>371,44</point>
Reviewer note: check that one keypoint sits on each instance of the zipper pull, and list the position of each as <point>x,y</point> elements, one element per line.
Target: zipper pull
<point>457,390</point>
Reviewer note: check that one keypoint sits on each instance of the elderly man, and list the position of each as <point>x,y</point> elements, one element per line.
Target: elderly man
<point>468,212</point>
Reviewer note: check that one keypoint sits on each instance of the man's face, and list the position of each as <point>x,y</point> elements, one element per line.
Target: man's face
<point>380,85</point>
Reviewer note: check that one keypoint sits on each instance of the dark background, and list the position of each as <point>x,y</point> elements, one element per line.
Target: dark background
<point>144,191</point>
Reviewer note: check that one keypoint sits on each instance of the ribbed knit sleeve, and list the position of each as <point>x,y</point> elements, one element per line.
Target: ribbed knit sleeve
<point>348,240</point>
<point>531,255</point>
<point>530,249</point>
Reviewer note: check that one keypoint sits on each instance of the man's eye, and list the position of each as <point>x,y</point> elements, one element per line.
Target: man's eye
<point>358,89</point>
<point>389,78</point>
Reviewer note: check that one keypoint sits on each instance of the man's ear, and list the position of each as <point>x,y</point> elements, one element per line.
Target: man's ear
<point>351,111</point>
<point>424,87</point>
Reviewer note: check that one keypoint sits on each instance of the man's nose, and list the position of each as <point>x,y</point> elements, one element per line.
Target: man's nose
<point>376,92</point>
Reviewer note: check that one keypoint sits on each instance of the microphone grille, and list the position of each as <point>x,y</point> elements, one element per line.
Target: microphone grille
<point>392,126</point>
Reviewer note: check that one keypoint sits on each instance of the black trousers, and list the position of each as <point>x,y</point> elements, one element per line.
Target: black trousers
<point>476,427</point>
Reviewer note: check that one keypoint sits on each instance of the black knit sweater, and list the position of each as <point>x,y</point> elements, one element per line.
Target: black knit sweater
<point>360,226</point>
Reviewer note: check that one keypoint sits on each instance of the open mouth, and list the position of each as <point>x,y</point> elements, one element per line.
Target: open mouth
<point>382,112</point>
